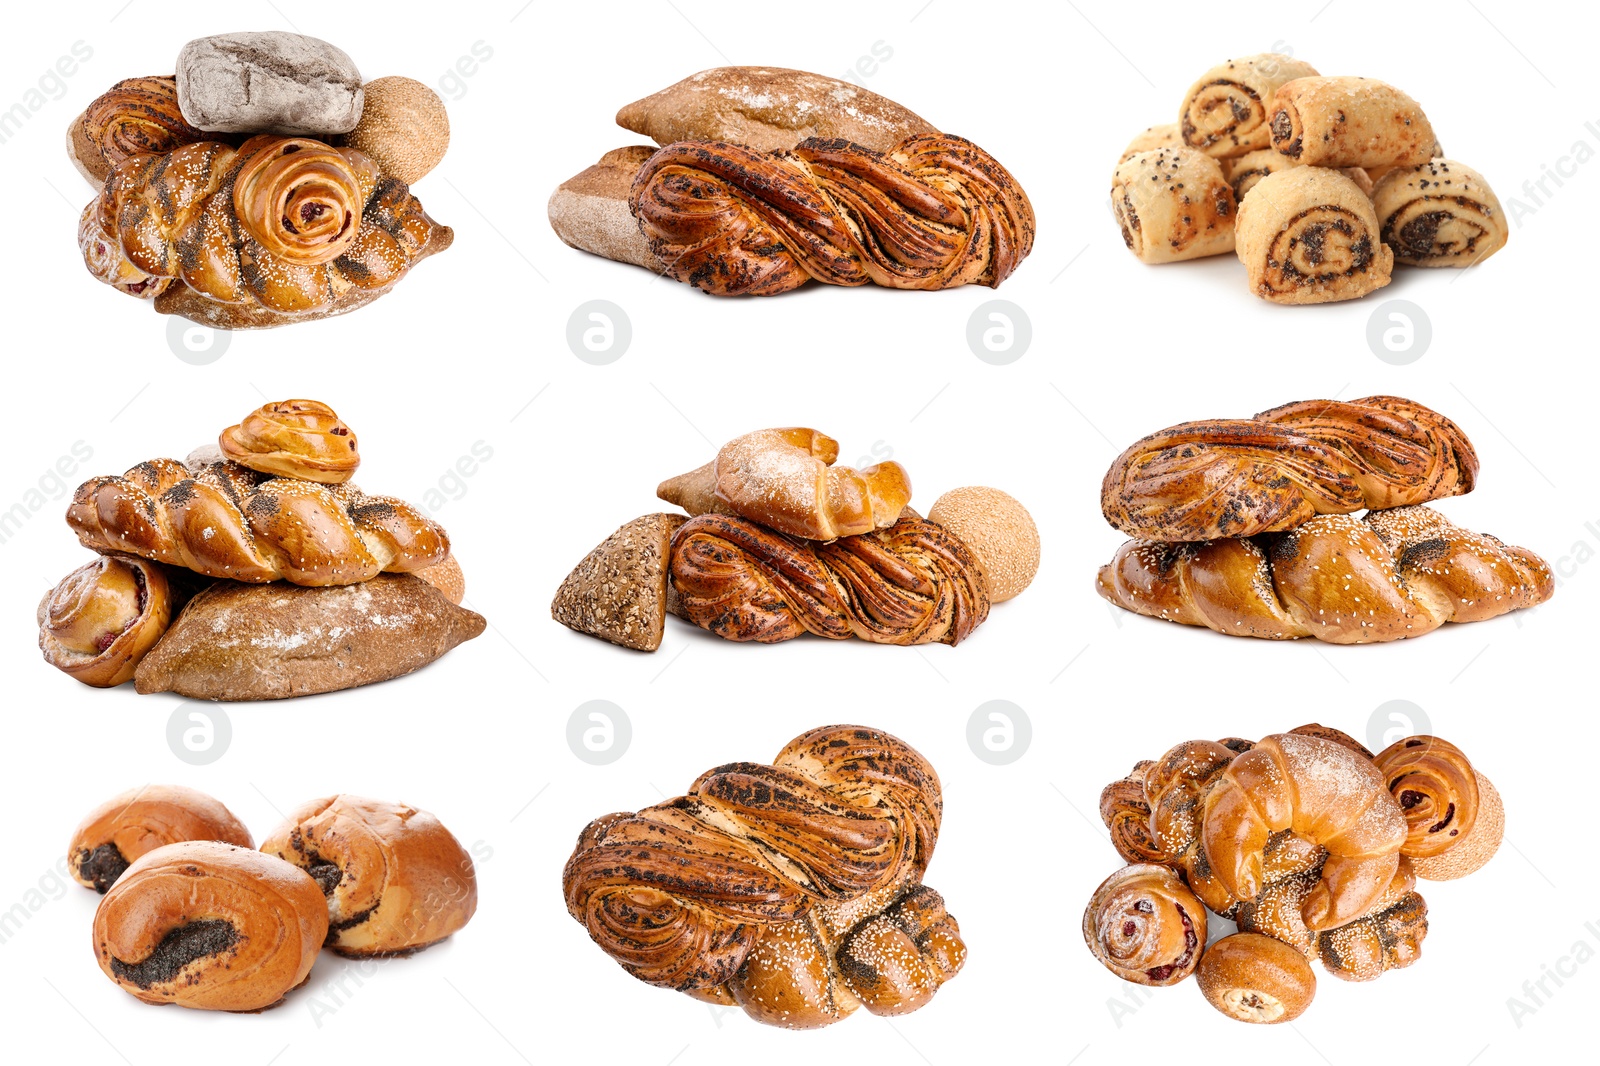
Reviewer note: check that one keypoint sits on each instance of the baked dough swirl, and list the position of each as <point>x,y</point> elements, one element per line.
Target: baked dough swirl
<point>101,619</point>
<point>935,212</point>
<point>300,198</point>
<point>1226,112</point>
<point>1439,214</point>
<point>136,116</point>
<point>1145,926</point>
<point>294,438</point>
<point>1309,235</point>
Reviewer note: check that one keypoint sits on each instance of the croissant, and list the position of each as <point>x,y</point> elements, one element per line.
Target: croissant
<point>1394,574</point>
<point>210,926</point>
<point>281,229</point>
<point>1239,477</point>
<point>131,824</point>
<point>913,583</point>
<point>791,890</point>
<point>934,212</point>
<point>227,521</point>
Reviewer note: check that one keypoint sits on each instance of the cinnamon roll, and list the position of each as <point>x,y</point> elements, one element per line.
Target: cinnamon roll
<point>1439,214</point>
<point>103,617</point>
<point>1173,204</point>
<point>301,199</point>
<point>1226,112</point>
<point>136,822</point>
<point>136,116</point>
<point>1309,235</point>
<point>1145,926</point>
<point>1454,818</point>
<point>294,438</point>
<point>1349,122</point>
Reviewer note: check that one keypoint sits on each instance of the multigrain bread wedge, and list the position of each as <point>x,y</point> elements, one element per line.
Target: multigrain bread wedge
<point>619,591</point>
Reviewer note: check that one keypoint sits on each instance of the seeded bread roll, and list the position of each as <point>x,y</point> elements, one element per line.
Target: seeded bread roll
<point>1309,235</point>
<point>619,591</point>
<point>1226,112</point>
<point>1173,204</point>
<point>589,211</point>
<point>1349,122</point>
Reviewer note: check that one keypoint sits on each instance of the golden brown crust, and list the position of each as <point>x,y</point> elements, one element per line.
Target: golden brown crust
<point>103,618</point>
<point>136,116</point>
<point>294,438</point>
<point>1227,111</point>
<point>395,878</point>
<point>131,824</point>
<point>1256,979</point>
<point>914,583</point>
<point>1349,122</point>
<point>1000,533</point>
<point>446,578</point>
<point>1438,789</point>
<point>1309,235</point>
<point>404,127</point>
<point>618,592</point>
<point>210,926</point>
<point>1145,926</point>
<point>935,212</point>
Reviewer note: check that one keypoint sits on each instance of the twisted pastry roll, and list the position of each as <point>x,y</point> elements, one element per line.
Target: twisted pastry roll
<point>102,618</point>
<point>210,926</point>
<point>226,521</point>
<point>281,229</point>
<point>1172,205</point>
<point>1349,122</point>
<point>1145,926</point>
<point>792,889</point>
<point>294,438</point>
<point>1439,214</point>
<point>1309,235</point>
<point>136,116</point>
<point>1392,575</point>
<point>395,878</point>
<point>1454,817</point>
<point>1226,112</point>
<point>1126,813</point>
<point>1240,477</point>
<point>134,823</point>
<point>935,212</point>
<point>913,583</point>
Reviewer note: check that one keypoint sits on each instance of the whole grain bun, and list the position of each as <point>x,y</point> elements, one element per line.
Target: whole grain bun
<point>403,126</point>
<point>589,211</point>
<point>619,591</point>
<point>770,109</point>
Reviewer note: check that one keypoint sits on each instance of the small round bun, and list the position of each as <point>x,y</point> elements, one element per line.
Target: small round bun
<point>403,127</point>
<point>1478,848</point>
<point>999,529</point>
<point>1254,978</point>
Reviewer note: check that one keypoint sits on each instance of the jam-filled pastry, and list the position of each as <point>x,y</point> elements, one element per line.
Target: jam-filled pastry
<point>101,620</point>
<point>394,878</point>
<point>1145,926</point>
<point>133,823</point>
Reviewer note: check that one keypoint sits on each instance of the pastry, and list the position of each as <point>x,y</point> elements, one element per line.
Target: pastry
<point>403,127</point>
<point>1163,136</point>
<point>589,211</point>
<point>395,879</point>
<point>271,81</point>
<point>279,230</point>
<point>104,617</point>
<point>998,530</point>
<point>135,116</point>
<point>270,641</point>
<point>1394,574</point>
<point>1239,477</point>
<point>791,890</point>
<point>1226,112</point>
<point>1349,122</point>
<point>914,583</point>
<point>1254,978</point>
<point>1454,817</point>
<point>133,823</point>
<point>619,591</point>
<point>786,480</point>
<point>210,926</point>
<point>1309,235</point>
<point>770,109</point>
<point>294,438</point>
<point>1145,926</point>
<point>1439,214</point>
<point>1245,171</point>
<point>226,521</point>
<point>933,212</point>
<point>1173,204</point>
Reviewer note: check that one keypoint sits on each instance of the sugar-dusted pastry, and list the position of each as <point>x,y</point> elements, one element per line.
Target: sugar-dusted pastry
<point>1349,122</point>
<point>140,820</point>
<point>1310,235</point>
<point>1226,112</point>
<point>1145,926</point>
<point>619,591</point>
<point>1254,978</point>
<point>265,642</point>
<point>210,926</point>
<point>1163,136</point>
<point>104,617</point>
<point>395,879</point>
<point>1439,214</point>
<point>294,438</point>
<point>1173,204</point>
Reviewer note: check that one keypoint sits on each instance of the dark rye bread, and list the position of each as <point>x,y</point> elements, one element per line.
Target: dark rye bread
<point>619,591</point>
<point>589,211</point>
<point>272,641</point>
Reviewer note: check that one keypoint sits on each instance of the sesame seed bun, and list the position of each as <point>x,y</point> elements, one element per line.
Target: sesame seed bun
<point>403,127</point>
<point>1478,848</point>
<point>999,531</point>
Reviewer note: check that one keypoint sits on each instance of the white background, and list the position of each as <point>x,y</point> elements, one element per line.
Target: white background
<point>471,348</point>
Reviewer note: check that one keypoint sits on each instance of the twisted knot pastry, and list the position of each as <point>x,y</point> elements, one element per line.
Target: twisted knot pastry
<point>226,521</point>
<point>283,228</point>
<point>786,480</point>
<point>136,116</point>
<point>792,890</point>
<point>294,438</point>
<point>913,583</point>
<point>140,820</point>
<point>210,926</point>
<point>934,212</point>
<point>395,879</point>
<point>1391,575</point>
<point>101,619</point>
<point>1145,926</point>
<point>1240,477</point>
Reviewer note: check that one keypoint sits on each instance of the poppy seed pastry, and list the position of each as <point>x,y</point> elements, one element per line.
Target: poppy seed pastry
<point>1349,122</point>
<point>1173,204</point>
<point>394,878</point>
<point>1000,532</point>
<point>1310,235</point>
<point>131,824</point>
<point>210,926</point>
<point>1227,111</point>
